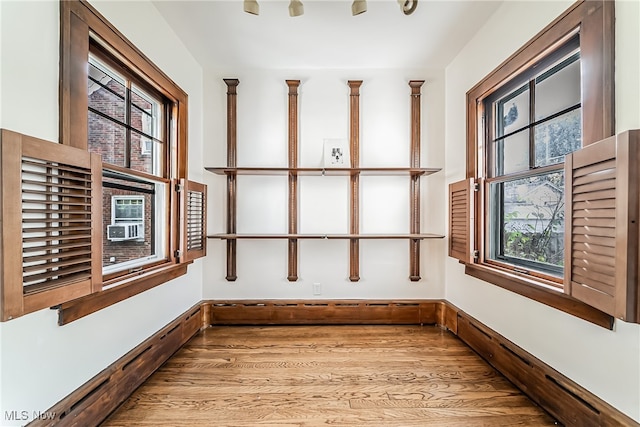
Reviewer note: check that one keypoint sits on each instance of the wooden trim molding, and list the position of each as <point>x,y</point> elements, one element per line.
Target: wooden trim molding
<point>595,20</point>
<point>293,85</point>
<point>323,312</point>
<point>354,180</point>
<point>78,19</point>
<point>92,402</point>
<point>568,402</point>
<point>232,99</point>
<point>78,308</point>
<point>414,198</point>
<point>526,287</point>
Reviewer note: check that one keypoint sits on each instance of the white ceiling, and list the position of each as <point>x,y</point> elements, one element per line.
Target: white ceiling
<point>221,35</point>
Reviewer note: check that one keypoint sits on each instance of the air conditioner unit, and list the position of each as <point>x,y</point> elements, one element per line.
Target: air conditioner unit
<point>125,231</point>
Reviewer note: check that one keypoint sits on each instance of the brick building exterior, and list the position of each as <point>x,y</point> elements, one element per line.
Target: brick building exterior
<point>109,139</point>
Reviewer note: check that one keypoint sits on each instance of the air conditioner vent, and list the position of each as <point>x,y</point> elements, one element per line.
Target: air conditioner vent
<point>125,231</point>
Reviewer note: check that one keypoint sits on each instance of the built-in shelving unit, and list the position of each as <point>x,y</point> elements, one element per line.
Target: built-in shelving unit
<point>293,171</point>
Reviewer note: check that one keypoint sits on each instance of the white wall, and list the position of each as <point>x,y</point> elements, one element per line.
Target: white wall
<point>41,362</point>
<point>323,203</point>
<point>605,362</point>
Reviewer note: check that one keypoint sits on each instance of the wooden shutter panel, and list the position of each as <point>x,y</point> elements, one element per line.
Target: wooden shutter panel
<point>601,240</point>
<point>461,220</point>
<point>51,241</point>
<point>194,205</point>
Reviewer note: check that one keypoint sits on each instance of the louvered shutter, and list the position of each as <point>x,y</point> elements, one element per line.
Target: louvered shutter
<point>194,208</point>
<point>51,231</point>
<point>601,240</point>
<point>461,220</point>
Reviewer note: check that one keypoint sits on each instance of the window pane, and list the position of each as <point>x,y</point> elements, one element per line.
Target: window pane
<point>513,111</point>
<point>145,112</point>
<point>142,120</point>
<point>528,225</point>
<point>558,91</point>
<point>557,137</point>
<point>134,214</point>
<point>515,153</point>
<point>106,94</point>
<point>107,139</point>
<point>144,154</point>
<point>128,208</point>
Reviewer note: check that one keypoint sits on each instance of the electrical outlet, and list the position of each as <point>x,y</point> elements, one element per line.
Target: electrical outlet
<point>317,289</point>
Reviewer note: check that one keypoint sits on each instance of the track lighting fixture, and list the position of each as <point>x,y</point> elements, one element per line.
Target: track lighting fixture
<point>408,6</point>
<point>296,8</point>
<point>358,7</point>
<point>252,7</point>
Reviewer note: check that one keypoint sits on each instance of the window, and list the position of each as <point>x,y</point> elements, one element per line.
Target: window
<point>117,106</point>
<point>549,99</point>
<point>125,122</point>
<point>532,123</point>
<point>125,126</point>
<point>127,209</point>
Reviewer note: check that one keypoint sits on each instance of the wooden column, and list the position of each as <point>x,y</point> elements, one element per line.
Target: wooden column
<point>414,199</point>
<point>232,96</point>
<point>354,194</point>
<point>292,275</point>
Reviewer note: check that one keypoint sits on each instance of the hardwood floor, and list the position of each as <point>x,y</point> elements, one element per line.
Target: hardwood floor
<point>318,375</point>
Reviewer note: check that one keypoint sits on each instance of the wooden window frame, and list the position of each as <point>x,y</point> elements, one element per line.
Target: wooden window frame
<point>79,25</point>
<point>594,19</point>
<point>492,176</point>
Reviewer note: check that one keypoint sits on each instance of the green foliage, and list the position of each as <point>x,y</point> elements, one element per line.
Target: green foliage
<point>522,240</point>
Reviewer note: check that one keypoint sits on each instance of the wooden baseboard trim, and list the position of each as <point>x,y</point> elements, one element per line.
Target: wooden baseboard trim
<point>324,312</point>
<point>568,402</point>
<point>92,402</point>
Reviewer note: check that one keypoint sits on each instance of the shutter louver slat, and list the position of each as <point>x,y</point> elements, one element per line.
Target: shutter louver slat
<point>461,213</point>
<point>57,238</point>
<point>57,180</point>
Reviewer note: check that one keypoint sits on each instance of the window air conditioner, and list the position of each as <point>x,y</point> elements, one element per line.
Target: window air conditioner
<point>125,231</point>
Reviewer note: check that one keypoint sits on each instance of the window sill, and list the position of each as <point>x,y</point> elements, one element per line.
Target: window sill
<point>78,308</point>
<point>540,292</point>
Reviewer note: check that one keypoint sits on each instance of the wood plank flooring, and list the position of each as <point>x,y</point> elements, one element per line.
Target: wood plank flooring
<point>319,375</point>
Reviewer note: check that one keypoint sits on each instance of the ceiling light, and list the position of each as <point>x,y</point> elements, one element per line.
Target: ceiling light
<point>358,7</point>
<point>252,7</point>
<point>408,6</point>
<point>296,8</point>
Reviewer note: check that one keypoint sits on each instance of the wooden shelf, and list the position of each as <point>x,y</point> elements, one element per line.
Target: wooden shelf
<point>380,171</point>
<point>421,236</point>
<point>353,172</point>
